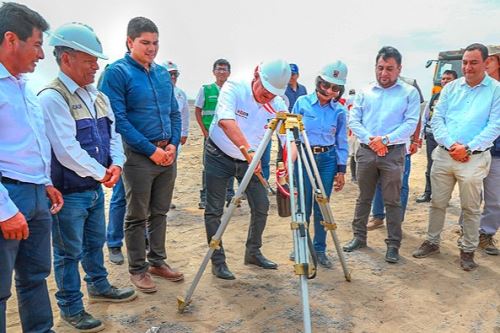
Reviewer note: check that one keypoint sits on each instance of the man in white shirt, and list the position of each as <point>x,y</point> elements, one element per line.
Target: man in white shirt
<point>86,152</point>
<point>241,119</point>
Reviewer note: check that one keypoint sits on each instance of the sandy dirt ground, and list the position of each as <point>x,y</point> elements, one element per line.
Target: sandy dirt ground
<point>426,295</point>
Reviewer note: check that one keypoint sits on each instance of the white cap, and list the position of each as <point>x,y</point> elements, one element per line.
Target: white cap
<point>275,76</point>
<point>170,66</point>
<point>335,72</point>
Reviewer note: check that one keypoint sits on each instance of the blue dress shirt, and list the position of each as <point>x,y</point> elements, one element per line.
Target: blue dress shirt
<point>325,125</point>
<point>24,147</point>
<point>292,95</point>
<point>144,104</point>
<point>468,115</point>
<point>392,111</point>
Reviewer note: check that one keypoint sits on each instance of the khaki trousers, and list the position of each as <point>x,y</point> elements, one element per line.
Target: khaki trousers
<point>445,173</point>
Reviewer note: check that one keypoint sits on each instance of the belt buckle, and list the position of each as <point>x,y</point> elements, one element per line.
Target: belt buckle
<point>317,150</point>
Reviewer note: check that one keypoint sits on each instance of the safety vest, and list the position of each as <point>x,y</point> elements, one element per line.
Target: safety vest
<point>211,93</point>
<point>93,134</point>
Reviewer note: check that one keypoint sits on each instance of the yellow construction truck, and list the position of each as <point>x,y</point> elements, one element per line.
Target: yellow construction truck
<point>451,60</point>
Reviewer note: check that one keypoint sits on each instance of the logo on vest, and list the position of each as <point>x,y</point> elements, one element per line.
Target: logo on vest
<point>242,113</point>
<point>76,106</point>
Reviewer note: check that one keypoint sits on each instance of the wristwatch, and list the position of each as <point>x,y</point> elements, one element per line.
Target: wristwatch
<point>385,140</point>
<point>468,150</point>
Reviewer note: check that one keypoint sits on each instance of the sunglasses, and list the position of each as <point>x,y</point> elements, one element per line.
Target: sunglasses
<point>174,74</point>
<point>328,85</point>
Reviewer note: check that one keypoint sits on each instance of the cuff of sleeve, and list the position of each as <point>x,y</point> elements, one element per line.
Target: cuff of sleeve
<point>100,173</point>
<point>473,146</point>
<point>341,168</point>
<point>448,143</point>
<point>8,210</point>
<point>150,149</point>
<point>365,139</point>
<point>175,141</point>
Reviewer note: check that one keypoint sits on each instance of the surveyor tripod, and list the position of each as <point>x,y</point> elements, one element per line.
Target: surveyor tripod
<point>292,127</point>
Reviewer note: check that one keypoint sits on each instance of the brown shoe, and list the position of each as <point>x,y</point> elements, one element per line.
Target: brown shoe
<point>166,272</point>
<point>143,282</point>
<point>488,244</point>
<point>426,249</point>
<point>374,223</point>
<point>467,261</point>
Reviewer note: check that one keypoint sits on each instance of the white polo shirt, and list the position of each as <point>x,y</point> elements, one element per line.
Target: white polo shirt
<point>236,102</point>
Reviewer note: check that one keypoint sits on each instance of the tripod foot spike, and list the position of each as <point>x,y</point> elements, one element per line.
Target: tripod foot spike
<point>181,304</point>
<point>348,276</point>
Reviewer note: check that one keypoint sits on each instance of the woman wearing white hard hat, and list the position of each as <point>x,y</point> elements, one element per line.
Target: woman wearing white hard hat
<point>325,122</point>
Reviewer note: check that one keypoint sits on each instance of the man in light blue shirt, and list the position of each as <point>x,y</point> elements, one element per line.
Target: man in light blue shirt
<point>466,121</point>
<point>383,117</point>
<point>25,219</point>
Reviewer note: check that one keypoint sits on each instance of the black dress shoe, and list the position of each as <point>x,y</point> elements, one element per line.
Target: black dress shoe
<point>260,260</point>
<point>323,260</point>
<point>392,255</point>
<point>354,244</point>
<point>423,198</point>
<point>222,272</point>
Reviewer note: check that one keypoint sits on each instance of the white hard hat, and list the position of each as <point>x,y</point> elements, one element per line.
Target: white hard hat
<point>275,76</point>
<point>79,37</point>
<point>335,72</point>
<point>170,66</point>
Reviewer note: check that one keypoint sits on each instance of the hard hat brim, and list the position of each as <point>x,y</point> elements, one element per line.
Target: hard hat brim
<point>333,80</point>
<point>56,40</point>
<point>273,90</point>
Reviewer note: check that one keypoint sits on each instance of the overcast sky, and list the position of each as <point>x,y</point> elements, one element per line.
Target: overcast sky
<point>310,33</point>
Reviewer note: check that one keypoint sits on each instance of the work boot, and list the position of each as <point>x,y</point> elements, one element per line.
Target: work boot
<point>222,271</point>
<point>143,282</point>
<point>259,260</point>
<point>323,260</point>
<point>116,256</point>
<point>374,223</point>
<point>113,295</point>
<point>425,250</point>
<point>467,261</point>
<point>426,197</point>
<point>488,244</point>
<point>83,322</point>
<point>354,244</point>
<point>166,272</point>
<point>392,255</point>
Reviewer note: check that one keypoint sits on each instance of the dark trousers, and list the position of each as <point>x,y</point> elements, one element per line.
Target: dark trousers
<point>148,189</point>
<point>203,191</point>
<point>219,169</point>
<point>30,259</point>
<point>430,145</point>
<point>387,170</point>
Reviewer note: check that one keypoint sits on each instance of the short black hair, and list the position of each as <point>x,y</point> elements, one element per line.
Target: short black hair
<point>138,25</point>
<point>222,62</point>
<point>480,47</point>
<point>389,52</point>
<point>20,20</point>
<point>451,72</point>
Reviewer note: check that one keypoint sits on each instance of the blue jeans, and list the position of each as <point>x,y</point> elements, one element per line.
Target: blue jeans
<point>327,166</point>
<point>378,209</point>
<point>30,259</point>
<point>79,233</point>
<point>265,161</point>
<point>117,207</point>
<point>219,169</point>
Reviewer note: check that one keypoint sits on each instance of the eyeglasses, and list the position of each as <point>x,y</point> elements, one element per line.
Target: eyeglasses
<point>328,85</point>
<point>221,70</point>
<point>174,74</point>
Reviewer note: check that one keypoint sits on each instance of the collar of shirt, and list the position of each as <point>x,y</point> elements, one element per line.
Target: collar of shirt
<point>376,85</point>
<point>484,82</point>
<point>4,74</point>
<point>133,62</point>
<point>73,87</point>
<point>313,98</point>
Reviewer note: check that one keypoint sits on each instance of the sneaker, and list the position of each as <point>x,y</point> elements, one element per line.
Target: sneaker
<point>488,244</point>
<point>113,295</point>
<point>425,250</point>
<point>83,322</point>
<point>374,223</point>
<point>116,256</point>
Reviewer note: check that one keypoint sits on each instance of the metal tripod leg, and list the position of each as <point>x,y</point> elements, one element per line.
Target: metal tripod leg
<point>183,302</point>
<point>323,202</point>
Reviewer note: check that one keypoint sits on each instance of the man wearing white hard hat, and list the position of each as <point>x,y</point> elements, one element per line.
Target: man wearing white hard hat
<point>384,116</point>
<point>241,118</point>
<point>325,120</point>
<point>181,98</point>
<point>87,152</point>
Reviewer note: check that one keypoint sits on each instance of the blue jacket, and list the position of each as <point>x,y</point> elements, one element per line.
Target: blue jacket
<point>144,104</point>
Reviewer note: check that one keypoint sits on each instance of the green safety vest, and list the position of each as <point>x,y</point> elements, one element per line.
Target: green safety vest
<point>211,92</point>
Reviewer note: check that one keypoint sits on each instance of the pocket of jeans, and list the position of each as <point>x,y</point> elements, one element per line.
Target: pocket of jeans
<point>212,151</point>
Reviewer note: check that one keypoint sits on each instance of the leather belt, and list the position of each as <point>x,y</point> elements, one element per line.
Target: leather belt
<point>7,180</point>
<point>161,143</point>
<point>475,152</point>
<point>321,149</point>
<point>364,145</point>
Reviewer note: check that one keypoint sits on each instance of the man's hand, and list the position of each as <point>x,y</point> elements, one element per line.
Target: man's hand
<point>459,153</point>
<point>413,148</point>
<point>339,182</point>
<point>56,199</point>
<point>183,140</point>
<point>159,156</point>
<point>114,171</point>
<point>171,151</point>
<point>377,146</point>
<point>258,168</point>
<point>15,228</point>
<point>204,132</point>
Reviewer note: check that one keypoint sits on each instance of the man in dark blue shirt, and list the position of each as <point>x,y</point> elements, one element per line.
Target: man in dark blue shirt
<point>148,118</point>
<point>294,89</point>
